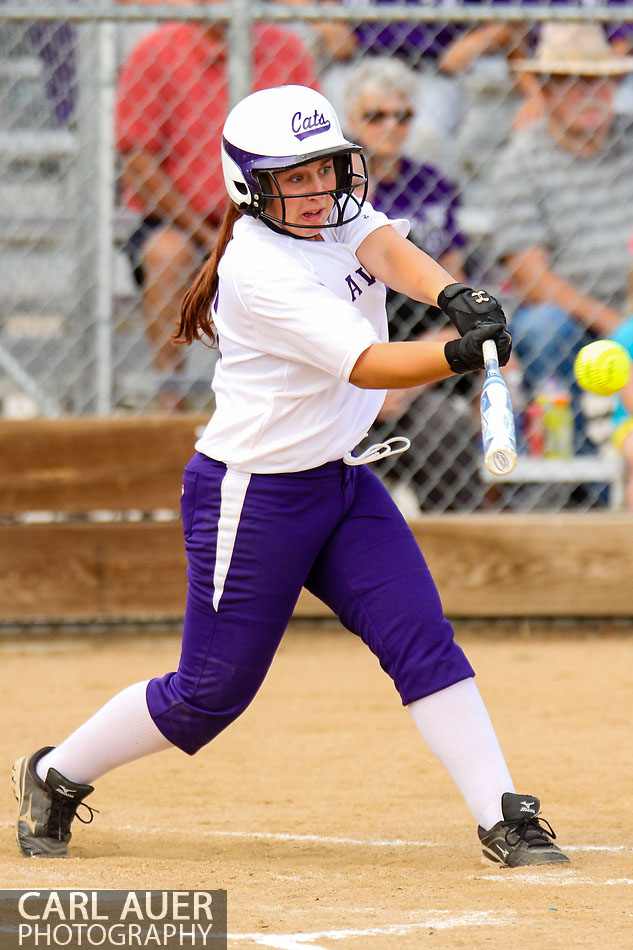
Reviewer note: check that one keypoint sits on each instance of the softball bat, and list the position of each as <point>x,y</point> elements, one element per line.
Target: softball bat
<point>497,418</point>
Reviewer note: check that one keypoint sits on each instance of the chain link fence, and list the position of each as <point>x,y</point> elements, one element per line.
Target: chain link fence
<point>111,194</point>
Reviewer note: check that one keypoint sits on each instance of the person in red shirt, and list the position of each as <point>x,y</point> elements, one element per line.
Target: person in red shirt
<point>172,100</point>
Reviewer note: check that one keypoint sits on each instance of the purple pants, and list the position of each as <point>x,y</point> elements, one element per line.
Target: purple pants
<point>252,542</point>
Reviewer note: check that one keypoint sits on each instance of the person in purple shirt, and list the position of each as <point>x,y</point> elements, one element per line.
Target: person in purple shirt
<point>430,203</point>
<point>441,471</point>
<point>412,42</point>
<point>380,111</point>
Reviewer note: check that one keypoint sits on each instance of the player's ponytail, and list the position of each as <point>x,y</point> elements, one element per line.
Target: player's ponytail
<point>196,318</point>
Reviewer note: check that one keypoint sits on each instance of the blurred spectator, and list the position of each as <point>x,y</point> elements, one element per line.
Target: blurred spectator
<point>409,41</point>
<point>380,110</point>
<point>172,100</point>
<point>516,40</point>
<point>443,461</point>
<point>563,205</point>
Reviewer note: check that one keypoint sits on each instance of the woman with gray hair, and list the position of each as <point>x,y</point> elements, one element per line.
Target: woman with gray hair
<point>380,111</point>
<point>379,74</point>
<point>442,470</point>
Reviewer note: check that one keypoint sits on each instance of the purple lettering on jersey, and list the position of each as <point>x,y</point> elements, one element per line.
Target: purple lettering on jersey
<point>369,280</point>
<point>353,287</point>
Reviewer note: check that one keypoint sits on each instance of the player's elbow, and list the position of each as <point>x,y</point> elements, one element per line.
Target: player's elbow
<point>363,373</point>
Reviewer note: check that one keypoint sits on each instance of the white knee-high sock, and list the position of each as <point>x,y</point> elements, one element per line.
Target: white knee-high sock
<point>456,726</point>
<point>119,732</point>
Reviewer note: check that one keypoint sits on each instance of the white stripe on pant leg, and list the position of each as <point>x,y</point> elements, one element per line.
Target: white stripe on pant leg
<point>232,493</point>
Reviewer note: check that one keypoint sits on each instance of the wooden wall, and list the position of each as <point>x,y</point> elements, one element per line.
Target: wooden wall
<point>88,567</point>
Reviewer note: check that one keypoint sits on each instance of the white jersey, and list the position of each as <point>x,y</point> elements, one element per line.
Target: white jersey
<point>293,316</point>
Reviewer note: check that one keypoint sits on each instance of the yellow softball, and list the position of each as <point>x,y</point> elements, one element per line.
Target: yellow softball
<point>602,367</point>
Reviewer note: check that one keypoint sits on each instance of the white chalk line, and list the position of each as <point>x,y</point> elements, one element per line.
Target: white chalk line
<point>283,836</point>
<point>327,839</point>
<point>436,920</point>
<point>558,877</point>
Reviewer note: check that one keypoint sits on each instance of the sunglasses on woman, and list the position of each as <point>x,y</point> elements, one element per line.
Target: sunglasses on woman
<point>378,116</point>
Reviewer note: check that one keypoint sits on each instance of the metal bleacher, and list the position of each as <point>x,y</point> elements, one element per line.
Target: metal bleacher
<point>43,279</point>
<point>47,268</point>
<point>36,268</point>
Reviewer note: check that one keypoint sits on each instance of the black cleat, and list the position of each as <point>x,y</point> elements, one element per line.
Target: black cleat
<point>45,809</point>
<point>520,840</point>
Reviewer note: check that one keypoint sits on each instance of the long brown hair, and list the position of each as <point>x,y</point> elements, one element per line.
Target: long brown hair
<point>196,320</point>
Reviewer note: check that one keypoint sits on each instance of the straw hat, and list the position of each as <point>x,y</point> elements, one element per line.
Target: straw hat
<point>579,49</point>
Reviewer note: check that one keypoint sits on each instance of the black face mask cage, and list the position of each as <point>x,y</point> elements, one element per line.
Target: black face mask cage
<point>344,196</point>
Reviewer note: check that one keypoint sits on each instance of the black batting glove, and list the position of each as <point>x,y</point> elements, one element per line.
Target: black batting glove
<point>468,308</point>
<point>466,356</point>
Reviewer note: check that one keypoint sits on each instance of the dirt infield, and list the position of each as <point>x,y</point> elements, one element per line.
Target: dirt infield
<point>322,812</point>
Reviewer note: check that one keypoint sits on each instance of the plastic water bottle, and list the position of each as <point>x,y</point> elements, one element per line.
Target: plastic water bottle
<point>558,423</point>
<point>533,430</point>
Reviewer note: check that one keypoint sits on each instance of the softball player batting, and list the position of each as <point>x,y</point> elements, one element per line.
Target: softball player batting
<point>275,498</point>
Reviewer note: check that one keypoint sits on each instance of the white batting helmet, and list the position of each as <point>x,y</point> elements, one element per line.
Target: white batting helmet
<point>276,129</point>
